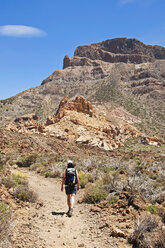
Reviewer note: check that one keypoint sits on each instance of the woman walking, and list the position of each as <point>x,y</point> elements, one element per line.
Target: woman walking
<point>71,181</point>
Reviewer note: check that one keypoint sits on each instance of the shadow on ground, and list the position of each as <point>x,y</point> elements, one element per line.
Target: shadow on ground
<point>58,213</point>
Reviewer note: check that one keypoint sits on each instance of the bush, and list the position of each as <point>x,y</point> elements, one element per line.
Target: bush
<point>47,174</point>
<point>35,166</point>
<point>15,179</point>
<point>95,193</point>
<point>113,200</point>
<point>161,213</point>
<point>19,177</point>
<point>23,193</point>
<point>84,178</point>
<point>27,160</point>
<point>148,232</point>
<point>152,209</point>
<point>55,174</point>
<point>4,217</point>
<point>8,182</point>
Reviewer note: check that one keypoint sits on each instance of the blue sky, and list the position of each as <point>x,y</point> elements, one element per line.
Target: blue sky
<point>35,35</point>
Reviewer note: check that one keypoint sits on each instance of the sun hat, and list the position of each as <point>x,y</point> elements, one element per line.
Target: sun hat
<point>70,162</point>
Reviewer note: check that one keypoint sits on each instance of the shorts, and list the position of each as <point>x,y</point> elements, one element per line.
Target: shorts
<point>70,190</point>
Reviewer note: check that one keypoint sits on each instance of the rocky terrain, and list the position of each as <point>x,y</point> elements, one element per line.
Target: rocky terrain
<point>136,85</point>
<point>105,111</point>
<point>76,121</point>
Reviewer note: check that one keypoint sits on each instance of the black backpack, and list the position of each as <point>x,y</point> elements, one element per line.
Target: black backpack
<point>71,177</point>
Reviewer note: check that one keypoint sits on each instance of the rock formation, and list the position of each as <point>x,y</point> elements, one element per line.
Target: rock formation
<point>26,124</point>
<point>115,51</point>
<point>77,121</point>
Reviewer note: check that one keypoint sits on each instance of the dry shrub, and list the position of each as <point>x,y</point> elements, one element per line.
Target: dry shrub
<point>55,174</point>
<point>148,232</point>
<point>35,166</point>
<point>23,193</point>
<point>159,198</point>
<point>4,216</point>
<point>114,181</point>
<point>161,213</point>
<point>15,179</point>
<point>8,182</point>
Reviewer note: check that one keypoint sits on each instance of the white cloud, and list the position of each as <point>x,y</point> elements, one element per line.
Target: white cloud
<point>21,31</point>
<point>123,2</point>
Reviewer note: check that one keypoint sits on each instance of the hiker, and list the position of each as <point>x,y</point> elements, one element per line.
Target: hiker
<point>71,181</point>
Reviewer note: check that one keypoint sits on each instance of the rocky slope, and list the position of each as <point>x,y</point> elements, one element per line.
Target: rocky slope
<point>119,73</point>
<point>77,121</point>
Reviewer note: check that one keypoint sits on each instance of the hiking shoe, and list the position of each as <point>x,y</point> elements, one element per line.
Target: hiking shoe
<point>70,212</point>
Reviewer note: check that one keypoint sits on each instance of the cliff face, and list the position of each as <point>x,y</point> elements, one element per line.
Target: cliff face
<point>115,51</point>
<point>126,46</point>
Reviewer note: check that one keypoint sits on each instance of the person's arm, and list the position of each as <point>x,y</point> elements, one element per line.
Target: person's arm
<point>63,182</point>
<point>78,181</point>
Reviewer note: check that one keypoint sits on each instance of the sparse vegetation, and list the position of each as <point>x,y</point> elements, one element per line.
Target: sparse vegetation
<point>113,200</point>
<point>8,100</point>
<point>19,182</point>
<point>152,209</point>
<point>36,166</point>
<point>4,213</point>
<point>27,160</point>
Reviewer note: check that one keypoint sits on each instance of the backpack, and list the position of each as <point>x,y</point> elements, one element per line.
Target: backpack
<point>71,177</point>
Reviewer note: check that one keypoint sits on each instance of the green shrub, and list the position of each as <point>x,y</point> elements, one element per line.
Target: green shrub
<point>113,200</point>
<point>84,178</point>
<point>152,209</point>
<point>27,160</point>
<point>95,193</point>
<point>47,174</point>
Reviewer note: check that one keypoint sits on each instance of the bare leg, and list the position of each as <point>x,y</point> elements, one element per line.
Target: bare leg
<point>72,200</point>
<point>68,200</point>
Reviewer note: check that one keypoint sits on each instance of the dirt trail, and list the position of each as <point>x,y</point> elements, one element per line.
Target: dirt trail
<point>50,224</point>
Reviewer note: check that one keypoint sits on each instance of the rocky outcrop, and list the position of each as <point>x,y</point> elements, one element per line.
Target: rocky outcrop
<point>76,120</point>
<point>26,124</point>
<point>98,54</point>
<point>124,46</point>
<point>115,51</point>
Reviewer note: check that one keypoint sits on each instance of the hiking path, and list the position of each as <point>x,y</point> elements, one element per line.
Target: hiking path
<point>47,225</point>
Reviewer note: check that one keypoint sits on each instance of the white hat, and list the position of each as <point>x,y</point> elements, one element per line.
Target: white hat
<point>70,162</point>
